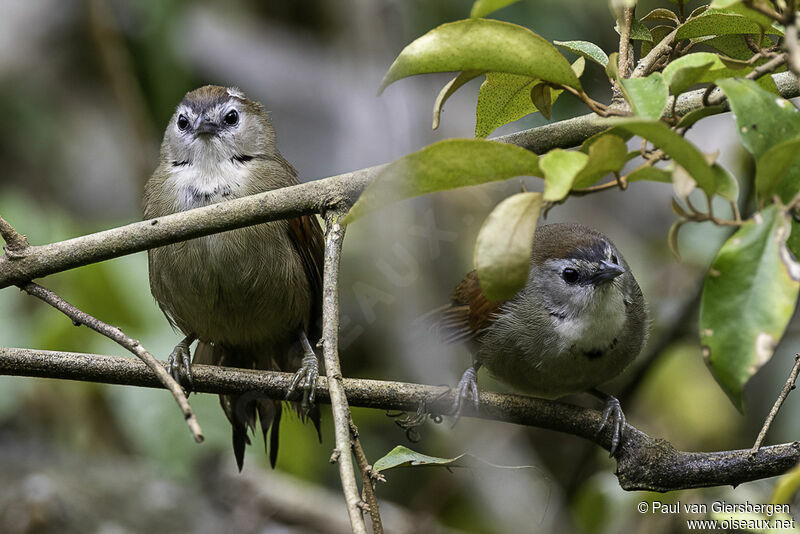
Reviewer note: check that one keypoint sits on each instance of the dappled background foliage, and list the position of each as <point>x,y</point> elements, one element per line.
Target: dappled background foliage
<point>87,88</point>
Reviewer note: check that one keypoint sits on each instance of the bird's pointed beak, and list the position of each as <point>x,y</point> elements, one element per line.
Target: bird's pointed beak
<point>606,272</point>
<point>205,126</point>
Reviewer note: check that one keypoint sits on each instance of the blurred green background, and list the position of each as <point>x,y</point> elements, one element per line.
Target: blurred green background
<point>86,88</point>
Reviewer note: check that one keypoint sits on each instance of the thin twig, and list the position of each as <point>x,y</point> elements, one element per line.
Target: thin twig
<point>787,387</point>
<point>367,476</point>
<point>646,63</point>
<point>625,59</point>
<point>766,68</point>
<point>334,236</point>
<point>643,462</point>
<point>115,334</point>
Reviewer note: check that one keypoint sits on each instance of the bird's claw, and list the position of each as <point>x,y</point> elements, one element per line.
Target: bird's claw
<point>306,378</point>
<point>467,387</point>
<point>179,365</point>
<point>614,417</point>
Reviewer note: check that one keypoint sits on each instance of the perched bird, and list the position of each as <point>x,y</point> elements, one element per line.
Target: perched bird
<point>251,296</point>
<point>578,322</point>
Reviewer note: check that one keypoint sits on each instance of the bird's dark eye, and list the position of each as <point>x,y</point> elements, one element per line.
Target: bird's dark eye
<point>183,122</point>
<point>232,117</point>
<point>569,275</point>
<point>614,259</point>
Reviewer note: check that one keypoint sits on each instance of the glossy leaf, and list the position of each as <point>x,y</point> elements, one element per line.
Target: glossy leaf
<point>699,67</point>
<point>661,13</point>
<point>607,154</point>
<point>651,174</point>
<point>560,168</point>
<point>481,8</point>
<point>482,45</point>
<point>675,146</point>
<point>448,90</point>
<point>748,298</point>
<point>764,120</point>
<point>445,165</point>
<point>503,248</point>
<point>778,171</point>
<point>586,49</point>
<point>647,96</point>
<point>693,116</point>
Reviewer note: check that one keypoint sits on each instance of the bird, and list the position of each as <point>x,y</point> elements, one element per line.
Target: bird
<point>251,297</point>
<point>577,323</point>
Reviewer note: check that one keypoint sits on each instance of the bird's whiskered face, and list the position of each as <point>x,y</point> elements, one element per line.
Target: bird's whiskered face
<point>213,136</point>
<point>212,125</point>
<point>585,282</point>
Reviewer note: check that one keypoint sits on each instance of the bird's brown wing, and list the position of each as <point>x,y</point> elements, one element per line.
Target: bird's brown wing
<point>468,313</point>
<point>306,234</point>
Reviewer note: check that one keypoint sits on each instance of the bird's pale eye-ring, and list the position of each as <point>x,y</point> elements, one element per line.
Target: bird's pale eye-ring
<point>231,118</point>
<point>183,122</point>
<point>570,275</point>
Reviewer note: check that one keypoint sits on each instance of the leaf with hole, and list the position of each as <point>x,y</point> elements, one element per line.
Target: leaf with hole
<point>748,298</point>
<point>503,248</point>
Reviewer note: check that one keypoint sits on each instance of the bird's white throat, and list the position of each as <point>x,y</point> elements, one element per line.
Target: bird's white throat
<point>210,176</point>
<point>595,323</point>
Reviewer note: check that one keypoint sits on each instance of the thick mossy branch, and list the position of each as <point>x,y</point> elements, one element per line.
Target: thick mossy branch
<point>644,463</point>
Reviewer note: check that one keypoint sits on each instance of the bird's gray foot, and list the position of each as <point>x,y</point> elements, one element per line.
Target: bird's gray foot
<point>179,364</point>
<point>614,418</point>
<point>306,377</point>
<point>467,388</point>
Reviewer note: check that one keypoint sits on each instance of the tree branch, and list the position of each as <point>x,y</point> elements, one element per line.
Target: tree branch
<point>310,197</point>
<point>643,463</point>
<point>118,336</point>
<point>342,454</point>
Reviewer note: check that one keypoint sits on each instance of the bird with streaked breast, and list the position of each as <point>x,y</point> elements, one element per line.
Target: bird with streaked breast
<point>250,296</point>
<point>578,322</point>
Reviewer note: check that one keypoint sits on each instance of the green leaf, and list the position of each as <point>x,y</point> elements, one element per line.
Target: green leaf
<point>725,185</point>
<point>717,23</point>
<point>721,4</point>
<point>639,32</point>
<point>444,165</point>
<point>504,98</point>
<point>586,49</point>
<point>607,154</point>
<point>699,67</point>
<point>661,13</point>
<point>481,8</point>
<point>748,298</point>
<point>675,146</point>
<point>404,457</point>
<point>698,114</point>
<point>651,174</point>
<point>612,67</point>
<point>503,248</point>
<point>647,96</point>
<point>778,171</point>
<point>560,168</point>
<point>542,99</point>
<point>482,45</point>
<point>764,119</point>
<point>447,91</point>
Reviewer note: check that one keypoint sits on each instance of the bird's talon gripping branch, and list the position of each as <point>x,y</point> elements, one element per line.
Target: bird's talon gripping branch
<point>613,417</point>
<point>179,363</point>
<point>306,377</point>
<point>467,388</point>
